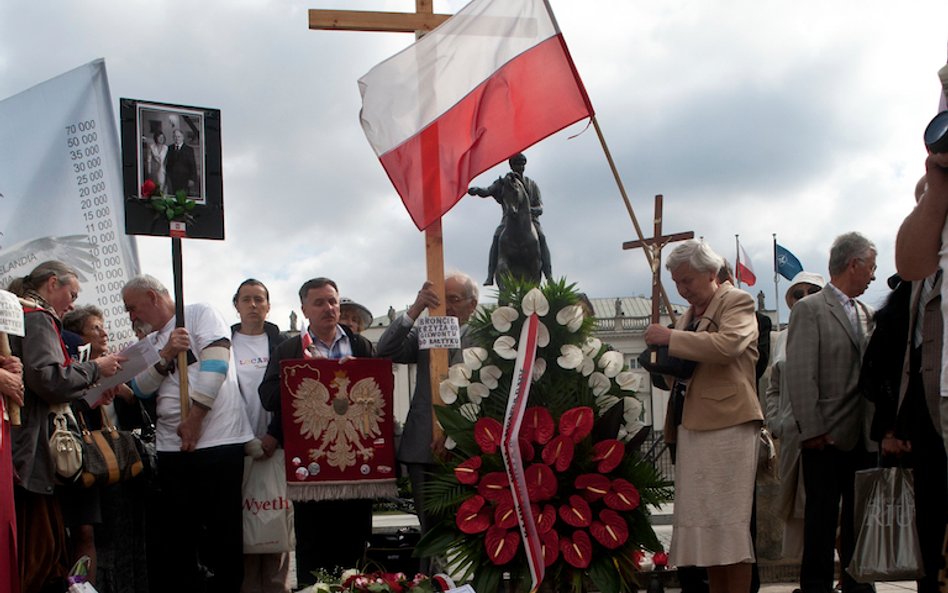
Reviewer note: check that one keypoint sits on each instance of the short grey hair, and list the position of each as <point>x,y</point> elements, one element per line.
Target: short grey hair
<point>76,319</point>
<point>145,282</point>
<point>697,254</point>
<point>846,248</point>
<point>465,280</point>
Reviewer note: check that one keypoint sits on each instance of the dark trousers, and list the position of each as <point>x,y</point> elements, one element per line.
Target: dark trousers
<point>828,477</point>
<point>200,528</point>
<point>330,535</point>
<point>418,474</point>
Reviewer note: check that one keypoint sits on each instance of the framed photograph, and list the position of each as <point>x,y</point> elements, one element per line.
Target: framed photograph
<point>171,162</point>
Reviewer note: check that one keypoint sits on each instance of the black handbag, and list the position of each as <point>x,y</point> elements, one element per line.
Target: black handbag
<point>656,359</point>
<point>109,455</point>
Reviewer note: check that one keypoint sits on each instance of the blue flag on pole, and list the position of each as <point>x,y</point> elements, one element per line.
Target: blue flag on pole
<point>787,264</point>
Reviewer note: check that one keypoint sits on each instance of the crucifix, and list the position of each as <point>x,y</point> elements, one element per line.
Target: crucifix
<point>419,22</point>
<point>654,246</point>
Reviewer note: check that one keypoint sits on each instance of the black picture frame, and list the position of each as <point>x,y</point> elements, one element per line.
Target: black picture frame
<point>197,168</point>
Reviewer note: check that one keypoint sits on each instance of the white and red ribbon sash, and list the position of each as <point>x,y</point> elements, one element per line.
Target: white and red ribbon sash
<point>510,447</point>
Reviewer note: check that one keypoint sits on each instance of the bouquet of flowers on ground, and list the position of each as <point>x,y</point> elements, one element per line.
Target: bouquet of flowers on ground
<point>588,486</point>
<point>355,581</point>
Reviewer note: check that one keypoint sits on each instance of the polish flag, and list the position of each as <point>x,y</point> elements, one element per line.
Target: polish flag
<point>745,270</point>
<point>490,81</point>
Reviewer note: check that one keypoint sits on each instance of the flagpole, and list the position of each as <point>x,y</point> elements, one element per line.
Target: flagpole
<point>737,260</point>
<point>776,284</point>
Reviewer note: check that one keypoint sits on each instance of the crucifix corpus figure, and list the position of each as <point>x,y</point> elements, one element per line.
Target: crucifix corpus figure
<point>519,245</point>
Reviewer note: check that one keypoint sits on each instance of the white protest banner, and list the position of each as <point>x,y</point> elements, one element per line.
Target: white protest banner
<point>438,332</point>
<point>11,314</point>
<point>61,189</point>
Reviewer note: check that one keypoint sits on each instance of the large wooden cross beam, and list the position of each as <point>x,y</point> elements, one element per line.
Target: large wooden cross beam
<point>654,246</point>
<point>419,22</point>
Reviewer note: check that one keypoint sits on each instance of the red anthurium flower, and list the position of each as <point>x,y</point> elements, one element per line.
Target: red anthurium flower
<point>541,482</point>
<point>592,486</point>
<point>559,453</point>
<point>473,515</point>
<point>466,472</point>
<point>637,557</point>
<point>501,544</point>
<point>577,423</point>
<point>609,454</point>
<point>610,530</point>
<point>148,188</point>
<point>505,515</point>
<point>577,550</point>
<point>550,545</point>
<point>526,449</point>
<point>537,425</point>
<point>494,486</point>
<point>545,519</point>
<point>577,513</point>
<point>622,496</point>
<point>487,433</point>
<point>660,560</point>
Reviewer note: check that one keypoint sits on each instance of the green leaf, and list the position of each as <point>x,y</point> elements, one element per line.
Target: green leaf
<point>604,575</point>
<point>169,213</point>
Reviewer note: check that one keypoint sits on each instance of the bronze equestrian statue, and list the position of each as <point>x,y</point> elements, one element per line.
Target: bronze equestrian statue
<point>496,190</point>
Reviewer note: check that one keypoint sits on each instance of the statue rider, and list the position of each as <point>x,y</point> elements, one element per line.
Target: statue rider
<point>517,164</point>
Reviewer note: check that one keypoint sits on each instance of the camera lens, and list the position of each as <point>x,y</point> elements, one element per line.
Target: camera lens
<point>936,134</point>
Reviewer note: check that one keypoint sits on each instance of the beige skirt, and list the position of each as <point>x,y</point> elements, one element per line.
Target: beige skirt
<point>714,490</point>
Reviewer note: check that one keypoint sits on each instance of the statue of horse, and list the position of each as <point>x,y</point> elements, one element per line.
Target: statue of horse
<point>518,248</point>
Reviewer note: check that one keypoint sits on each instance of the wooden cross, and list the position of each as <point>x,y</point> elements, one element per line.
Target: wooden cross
<point>654,246</point>
<point>419,22</point>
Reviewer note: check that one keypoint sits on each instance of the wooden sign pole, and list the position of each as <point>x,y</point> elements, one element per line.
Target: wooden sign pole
<point>178,268</point>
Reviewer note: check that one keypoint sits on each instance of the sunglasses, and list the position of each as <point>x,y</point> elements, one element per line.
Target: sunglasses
<point>802,292</point>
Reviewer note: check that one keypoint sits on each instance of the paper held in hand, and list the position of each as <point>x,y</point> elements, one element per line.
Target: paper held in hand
<point>438,332</point>
<point>11,314</point>
<point>141,355</point>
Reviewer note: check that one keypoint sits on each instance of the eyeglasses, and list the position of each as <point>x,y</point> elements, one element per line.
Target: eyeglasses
<point>802,292</point>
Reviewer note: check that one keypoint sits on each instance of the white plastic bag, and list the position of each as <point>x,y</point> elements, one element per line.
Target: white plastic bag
<point>268,513</point>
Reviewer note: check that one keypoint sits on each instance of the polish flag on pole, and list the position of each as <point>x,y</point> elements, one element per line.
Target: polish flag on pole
<point>490,81</point>
<point>745,270</point>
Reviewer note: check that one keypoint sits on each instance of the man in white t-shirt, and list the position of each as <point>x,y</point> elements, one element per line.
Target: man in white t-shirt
<point>200,457</point>
<point>252,341</point>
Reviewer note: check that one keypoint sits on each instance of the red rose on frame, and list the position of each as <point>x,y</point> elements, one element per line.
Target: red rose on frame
<point>577,550</point>
<point>609,454</point>
<point>593,486</point>
<point>577,423</point>
<point>559,453</point>
<point>622,496</point>
<point>537,425</point>
<point>660,560</point>
<point>466,472</point>
<point>473,515</point>
<point>610,529</point>
<point>541,482</point>
<point>487,434</point>
<point>148,189</point>
<point>577,513</point>
<point>501,544</point>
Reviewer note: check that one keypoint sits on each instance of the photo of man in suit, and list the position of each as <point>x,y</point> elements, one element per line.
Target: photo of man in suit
<point>826,340</point>
<point>181,168</point>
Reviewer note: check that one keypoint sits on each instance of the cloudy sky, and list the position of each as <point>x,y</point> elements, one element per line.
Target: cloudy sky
<point>801,118</point>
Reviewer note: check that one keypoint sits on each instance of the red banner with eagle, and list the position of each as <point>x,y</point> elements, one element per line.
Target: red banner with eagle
<point>338,428</point>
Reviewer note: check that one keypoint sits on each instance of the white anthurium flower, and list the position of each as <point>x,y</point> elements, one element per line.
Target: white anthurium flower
<point>571,316</point>
<point>599,383</point>
<point>543,336</point>
<point>477,391</point>
<point>448,391</point>
<point>633,410</point>
<point>535,302</point>
<point>459,375</point>
<point>502,317</point>
<point>470,411</point>
<point>611,363</point>
<point>629,381</point>
<point>587,367</point>
<point>474,357</point>
<point>450,443</point>
<point>604,402</point>
<point>489,376</point>
<point>592,346</point>
<point>539,367</point>
<point>348,573</point>
<point>504,347</point>
<point>571,357</point>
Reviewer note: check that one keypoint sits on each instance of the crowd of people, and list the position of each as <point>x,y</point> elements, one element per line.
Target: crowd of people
<point>849,388</point>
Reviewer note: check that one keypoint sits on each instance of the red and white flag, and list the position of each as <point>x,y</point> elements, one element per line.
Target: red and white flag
<point>745,270</point>
<point>490,81</point>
